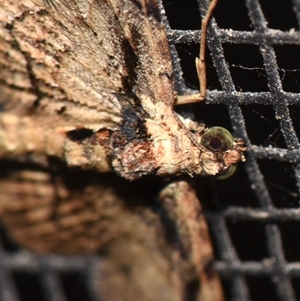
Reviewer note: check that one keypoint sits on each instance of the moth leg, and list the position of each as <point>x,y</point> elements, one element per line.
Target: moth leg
<point>200,62</point>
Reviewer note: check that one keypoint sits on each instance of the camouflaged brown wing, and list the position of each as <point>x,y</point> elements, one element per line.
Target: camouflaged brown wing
<point>73,68</point>
<point>90,82</point>
<point>74,59</point>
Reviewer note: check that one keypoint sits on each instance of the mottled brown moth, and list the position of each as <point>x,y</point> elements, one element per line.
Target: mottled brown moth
<point>90,83</point>
<point>101,97</point>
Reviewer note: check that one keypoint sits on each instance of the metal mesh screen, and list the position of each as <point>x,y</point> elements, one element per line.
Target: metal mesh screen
<point>250,43</point>
<point>254,217</point>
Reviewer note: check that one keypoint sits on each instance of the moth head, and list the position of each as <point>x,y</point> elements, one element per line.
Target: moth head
<point>217,139</point>
<point>227,150</point>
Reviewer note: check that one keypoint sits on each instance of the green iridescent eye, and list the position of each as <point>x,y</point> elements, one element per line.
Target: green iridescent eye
<point>227,173</point>
<point>217,139</point>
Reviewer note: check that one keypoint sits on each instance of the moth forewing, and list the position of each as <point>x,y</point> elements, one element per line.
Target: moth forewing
<point>89,77</point>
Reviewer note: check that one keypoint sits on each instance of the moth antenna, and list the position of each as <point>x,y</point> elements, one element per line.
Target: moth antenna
<point>189,133</point>
<point>200,62</point>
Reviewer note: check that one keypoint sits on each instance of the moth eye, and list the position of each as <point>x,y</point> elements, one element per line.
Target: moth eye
<point>217,139</point>
<point>227,173</point>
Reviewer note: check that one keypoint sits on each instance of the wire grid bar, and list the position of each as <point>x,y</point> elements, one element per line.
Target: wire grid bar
<point>230,266</point>
<point>48,268</point>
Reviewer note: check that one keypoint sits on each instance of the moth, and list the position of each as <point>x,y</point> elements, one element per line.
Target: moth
<point>102,97</point>
<point>87,91</point>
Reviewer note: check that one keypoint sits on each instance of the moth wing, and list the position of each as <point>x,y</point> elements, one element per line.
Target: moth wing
<point>73,61</point>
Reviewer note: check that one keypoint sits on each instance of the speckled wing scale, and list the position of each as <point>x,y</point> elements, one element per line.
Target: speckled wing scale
<point>98,90</point>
